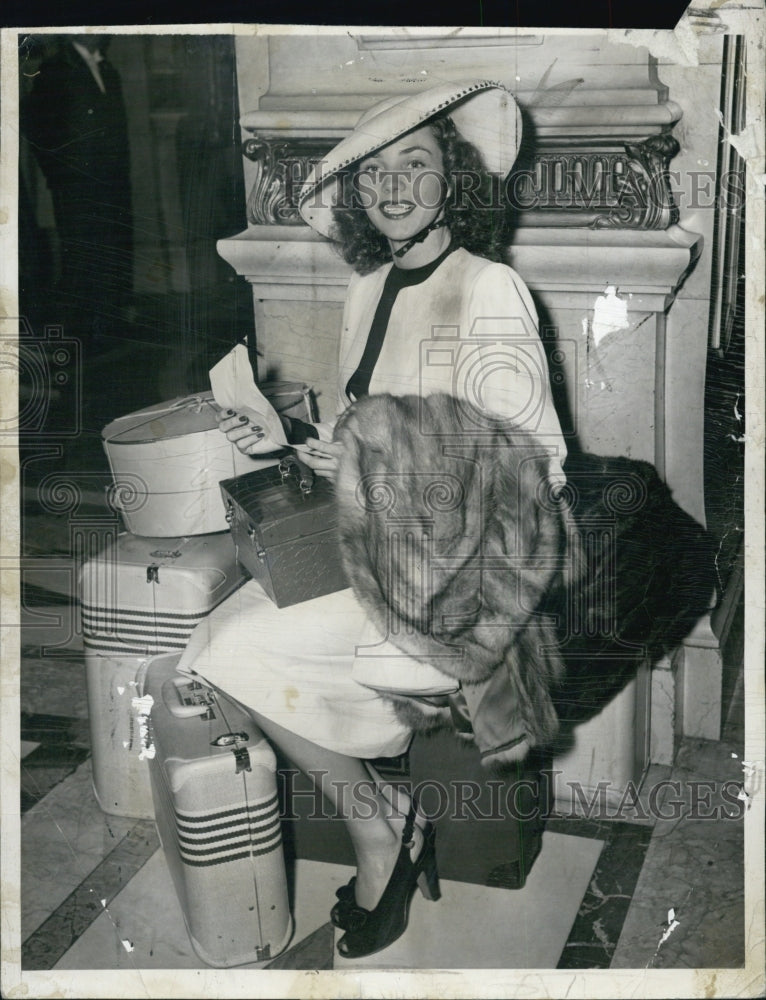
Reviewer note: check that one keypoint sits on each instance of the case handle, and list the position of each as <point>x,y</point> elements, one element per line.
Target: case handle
<point>186,698</point>
<point>292,466</point>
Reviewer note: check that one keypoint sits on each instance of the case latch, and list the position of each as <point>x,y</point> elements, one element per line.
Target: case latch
<point>227,739</point>
<point>239,749</point>
<point>242,757</point>
<point>252,534</point>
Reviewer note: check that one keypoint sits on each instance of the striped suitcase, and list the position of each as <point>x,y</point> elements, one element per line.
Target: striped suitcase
<point>213,778</point>
<point>139,597</point>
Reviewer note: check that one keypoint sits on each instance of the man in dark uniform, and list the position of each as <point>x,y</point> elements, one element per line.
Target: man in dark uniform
<point>75,120</point>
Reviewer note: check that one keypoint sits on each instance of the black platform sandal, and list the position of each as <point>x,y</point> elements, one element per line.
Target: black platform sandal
<point>370,931</point>
<point>341,913</point>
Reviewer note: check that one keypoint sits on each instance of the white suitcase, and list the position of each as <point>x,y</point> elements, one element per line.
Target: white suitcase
<point>216,807</point>
<point>168,459</point>
<point>139,597</point>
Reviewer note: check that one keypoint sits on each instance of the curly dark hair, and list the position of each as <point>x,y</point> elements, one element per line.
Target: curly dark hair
<point>475,209</point>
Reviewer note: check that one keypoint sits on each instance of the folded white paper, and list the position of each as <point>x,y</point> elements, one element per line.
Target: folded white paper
<point>234,388</point>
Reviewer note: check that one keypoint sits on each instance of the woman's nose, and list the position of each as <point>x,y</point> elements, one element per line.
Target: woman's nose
<point>394,182</point>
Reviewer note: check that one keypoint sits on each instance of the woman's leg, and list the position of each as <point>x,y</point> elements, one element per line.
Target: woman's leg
<point>398,798</point>
<point>373,825</point>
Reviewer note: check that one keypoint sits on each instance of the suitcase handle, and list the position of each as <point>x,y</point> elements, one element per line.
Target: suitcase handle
<point>199,703</point>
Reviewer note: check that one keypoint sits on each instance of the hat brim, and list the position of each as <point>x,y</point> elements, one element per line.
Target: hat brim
<point>484,112</point>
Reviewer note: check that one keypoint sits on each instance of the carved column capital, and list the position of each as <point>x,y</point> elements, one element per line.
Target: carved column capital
<point>282,165</point>
<point>646,200</point>
<point>626,187</point>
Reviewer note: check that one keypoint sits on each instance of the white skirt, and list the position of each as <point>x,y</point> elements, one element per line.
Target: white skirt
<point>293,666</point>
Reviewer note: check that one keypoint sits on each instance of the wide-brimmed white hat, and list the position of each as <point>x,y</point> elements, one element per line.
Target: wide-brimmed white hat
<point>484,113</point>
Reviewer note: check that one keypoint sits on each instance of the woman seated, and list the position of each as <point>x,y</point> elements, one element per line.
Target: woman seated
<point>411,196</point>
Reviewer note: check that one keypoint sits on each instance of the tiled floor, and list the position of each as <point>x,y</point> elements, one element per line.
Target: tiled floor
<point>96,892</point>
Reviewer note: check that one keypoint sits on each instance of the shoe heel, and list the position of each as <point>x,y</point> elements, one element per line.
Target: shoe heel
<point>428,879</point>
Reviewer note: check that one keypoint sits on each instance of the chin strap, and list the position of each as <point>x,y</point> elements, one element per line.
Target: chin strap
<point>436,224</point>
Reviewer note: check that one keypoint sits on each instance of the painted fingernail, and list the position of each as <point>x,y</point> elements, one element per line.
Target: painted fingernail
<point>243,420</point>
<point>228,413</point>
<point>260,435</point>
<point>256,427</point>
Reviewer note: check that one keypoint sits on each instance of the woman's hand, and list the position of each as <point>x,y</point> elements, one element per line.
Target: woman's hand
<point>321,456</point>
<point>250,438</point>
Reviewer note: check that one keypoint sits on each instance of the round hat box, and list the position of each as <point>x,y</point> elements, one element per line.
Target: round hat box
<point>168,459</point>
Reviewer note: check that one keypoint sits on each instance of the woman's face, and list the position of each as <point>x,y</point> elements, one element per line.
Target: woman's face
<point>402,186</point>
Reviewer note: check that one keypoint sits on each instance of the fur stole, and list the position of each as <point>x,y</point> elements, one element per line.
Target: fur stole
<point>541,599</point>
<point>451,541</point>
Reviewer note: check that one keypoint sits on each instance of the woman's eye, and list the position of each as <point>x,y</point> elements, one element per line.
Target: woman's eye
<point>371,169</point>
<point>415,164</point>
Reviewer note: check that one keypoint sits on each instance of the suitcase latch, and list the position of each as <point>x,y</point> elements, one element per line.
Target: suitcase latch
<point>237,742</point>
<point>153,573</point>
<point>252,534</point>
<point>227,739</point>
<point>242,757</point>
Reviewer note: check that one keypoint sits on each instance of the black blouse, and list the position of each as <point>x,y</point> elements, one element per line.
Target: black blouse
<point>397,279</point>
<point>359,383</point>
